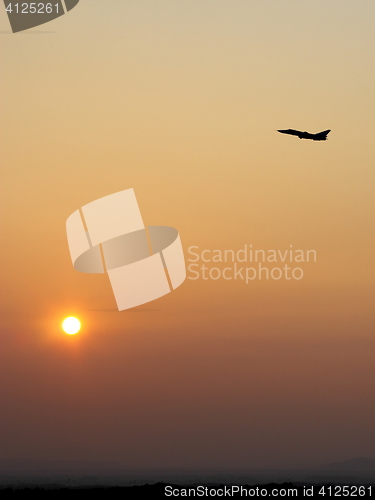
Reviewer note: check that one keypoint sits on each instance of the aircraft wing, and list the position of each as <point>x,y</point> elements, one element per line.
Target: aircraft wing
<point>290,131</point>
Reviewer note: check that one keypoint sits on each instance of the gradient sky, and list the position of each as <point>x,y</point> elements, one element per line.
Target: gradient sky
<point>180,100</point>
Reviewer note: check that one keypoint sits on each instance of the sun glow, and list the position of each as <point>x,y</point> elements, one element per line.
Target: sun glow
<point>71,325</point>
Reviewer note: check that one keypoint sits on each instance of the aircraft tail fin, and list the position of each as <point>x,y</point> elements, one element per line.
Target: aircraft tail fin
<point>322,136</point>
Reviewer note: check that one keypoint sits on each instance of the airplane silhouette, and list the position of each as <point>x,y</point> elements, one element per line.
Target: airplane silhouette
<point>320,136</point>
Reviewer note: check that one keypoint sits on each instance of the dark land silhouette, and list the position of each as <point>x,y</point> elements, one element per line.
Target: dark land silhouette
<point>165,490</point>
<point>42,478</point>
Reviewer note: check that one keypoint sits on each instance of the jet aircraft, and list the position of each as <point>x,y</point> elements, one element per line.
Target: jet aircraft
<point>320,136</point>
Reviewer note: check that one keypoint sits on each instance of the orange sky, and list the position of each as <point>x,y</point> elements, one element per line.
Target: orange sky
<point>180,100</point>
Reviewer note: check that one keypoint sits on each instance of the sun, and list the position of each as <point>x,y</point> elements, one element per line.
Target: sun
<point>71,325</point>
